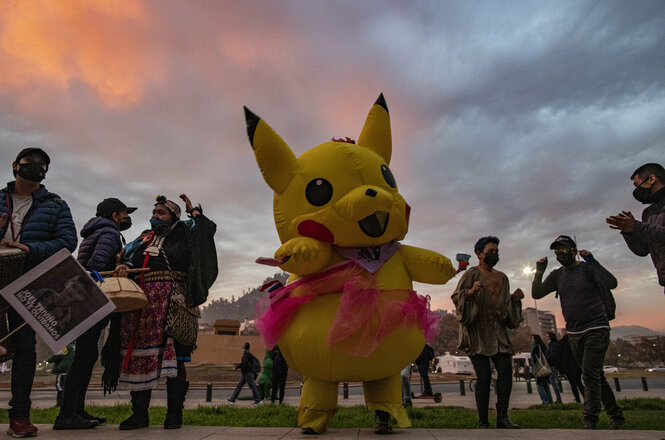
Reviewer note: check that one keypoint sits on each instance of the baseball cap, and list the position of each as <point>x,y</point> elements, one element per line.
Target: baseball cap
<point>108,206</point>
<point>29,150</point>
<point>563,240</point>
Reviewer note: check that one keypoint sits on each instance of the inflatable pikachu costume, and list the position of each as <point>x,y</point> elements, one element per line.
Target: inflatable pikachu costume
<point>349,312</point>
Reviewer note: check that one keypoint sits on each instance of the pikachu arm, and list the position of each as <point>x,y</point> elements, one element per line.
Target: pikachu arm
<point>306,255</point>
<point>427,266</point>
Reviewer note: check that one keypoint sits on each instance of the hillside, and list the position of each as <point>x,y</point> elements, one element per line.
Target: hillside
<point>624,331</point>
<point>241,308</point>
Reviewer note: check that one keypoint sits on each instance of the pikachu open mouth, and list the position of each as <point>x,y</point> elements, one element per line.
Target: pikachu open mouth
<point>375,225</point>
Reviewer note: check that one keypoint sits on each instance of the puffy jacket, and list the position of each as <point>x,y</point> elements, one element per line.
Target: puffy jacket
<point>49,226</point>
<point>101,242</point>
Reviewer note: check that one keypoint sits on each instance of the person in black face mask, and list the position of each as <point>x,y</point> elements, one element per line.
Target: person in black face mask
<point>485,310</point>
<point>39,223</point>
<point>647,236</point>
<point>577,284</point>
<point>102,242</point>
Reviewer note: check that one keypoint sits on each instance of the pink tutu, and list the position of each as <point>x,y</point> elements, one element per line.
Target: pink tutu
<point>366,315</point>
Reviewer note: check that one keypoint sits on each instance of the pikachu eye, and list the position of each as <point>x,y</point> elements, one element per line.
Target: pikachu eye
<point>388,175</point>
<point>319,192</point>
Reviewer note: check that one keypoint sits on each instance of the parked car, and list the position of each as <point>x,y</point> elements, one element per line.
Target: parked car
<point>658,368</point>
<point>610,369</point>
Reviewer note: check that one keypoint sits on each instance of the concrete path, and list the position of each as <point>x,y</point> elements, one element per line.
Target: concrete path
<point>111,432</point>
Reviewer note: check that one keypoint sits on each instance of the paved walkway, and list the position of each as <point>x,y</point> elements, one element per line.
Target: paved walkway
<point>111,432</point>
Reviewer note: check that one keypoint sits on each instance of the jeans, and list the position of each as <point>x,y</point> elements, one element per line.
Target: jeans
<point>249,379</point>
<point>555,385</point>
<point>406,385</point>
<point>589,350</point>
<point>543,384</point>
<point>23,366</point>
<point>423,369</point>
<point>78,378</point>
<point>504,383</point>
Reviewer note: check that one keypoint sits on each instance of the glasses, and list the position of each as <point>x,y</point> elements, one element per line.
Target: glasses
<point>563,251</point>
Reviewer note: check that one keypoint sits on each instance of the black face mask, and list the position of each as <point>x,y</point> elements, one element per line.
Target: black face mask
<point>491,259</point>
<point>31,171</point>
<point>643,195</point>
<point>125,224</point>
<point>566,260</point>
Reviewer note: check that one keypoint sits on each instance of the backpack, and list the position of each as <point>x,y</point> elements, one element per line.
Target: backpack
<point>255,364</point>
<point>605,294</point>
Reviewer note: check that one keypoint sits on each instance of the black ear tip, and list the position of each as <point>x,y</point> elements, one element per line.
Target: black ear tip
<point>252,121</point>
<point>382,102</point>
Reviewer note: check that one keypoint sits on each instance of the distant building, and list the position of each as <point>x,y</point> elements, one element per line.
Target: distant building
<point>540,322</point>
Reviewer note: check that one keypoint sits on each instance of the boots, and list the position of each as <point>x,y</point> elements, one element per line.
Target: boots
<point>175,397</point>
<point>502,420</point>
<point>139,417</point>
<point>382,419</point>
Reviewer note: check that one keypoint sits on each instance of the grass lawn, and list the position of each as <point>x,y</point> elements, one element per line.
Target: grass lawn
<point>641,413</point>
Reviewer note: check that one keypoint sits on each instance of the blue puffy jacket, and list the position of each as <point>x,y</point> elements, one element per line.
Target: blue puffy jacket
<point>49,226</point>
<point>101,242</point>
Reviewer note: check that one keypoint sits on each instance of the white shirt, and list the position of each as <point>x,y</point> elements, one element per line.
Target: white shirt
<point>20,207</point>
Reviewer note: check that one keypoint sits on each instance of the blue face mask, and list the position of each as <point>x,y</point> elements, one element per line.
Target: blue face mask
<point>159,226</point>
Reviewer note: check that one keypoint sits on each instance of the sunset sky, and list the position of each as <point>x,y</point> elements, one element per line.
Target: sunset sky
<point>523,120</point>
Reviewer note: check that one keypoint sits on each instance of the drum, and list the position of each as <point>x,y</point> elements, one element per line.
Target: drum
<point>125,294</point>
<point>11,268</point>
<point>11,265</point>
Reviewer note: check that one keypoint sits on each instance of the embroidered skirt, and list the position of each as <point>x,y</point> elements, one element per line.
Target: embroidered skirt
<point>148,353</point>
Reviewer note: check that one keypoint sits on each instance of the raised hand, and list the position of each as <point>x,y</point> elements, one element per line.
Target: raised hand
<point>624,221</point>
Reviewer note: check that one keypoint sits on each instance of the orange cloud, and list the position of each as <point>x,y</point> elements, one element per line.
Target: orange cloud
<point>53,44</point>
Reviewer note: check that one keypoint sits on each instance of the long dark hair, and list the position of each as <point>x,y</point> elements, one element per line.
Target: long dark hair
<point>537,340</point>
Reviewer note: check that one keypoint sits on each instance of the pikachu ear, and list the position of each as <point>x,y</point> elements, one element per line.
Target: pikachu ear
<point>376,131</point>
<point>277,162</point>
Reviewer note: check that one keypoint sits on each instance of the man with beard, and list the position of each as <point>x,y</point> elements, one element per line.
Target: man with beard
<point>39,223</point>
<point>102,241</point>
<point>647,236</point>
<point>578,284</point>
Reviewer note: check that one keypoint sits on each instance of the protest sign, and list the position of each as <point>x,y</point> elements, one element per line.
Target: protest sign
<point>58,299</point>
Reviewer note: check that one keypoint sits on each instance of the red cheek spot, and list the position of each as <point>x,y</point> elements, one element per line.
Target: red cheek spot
<point>310,228</point>
<point>408,214</point>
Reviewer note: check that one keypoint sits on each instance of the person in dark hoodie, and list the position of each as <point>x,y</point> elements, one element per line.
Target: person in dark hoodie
<point>248,373</point>
<point>39,223</point>
<point>102,241</point>
<point>280,371</point>
<point>578,283</point>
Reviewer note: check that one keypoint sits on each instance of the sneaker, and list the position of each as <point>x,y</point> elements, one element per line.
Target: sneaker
<point>87,416</point>
<point>21,427</point>
<point>257,402</point>
<point>617,423</point>
<point>74,422</point>
<point>232,402</point>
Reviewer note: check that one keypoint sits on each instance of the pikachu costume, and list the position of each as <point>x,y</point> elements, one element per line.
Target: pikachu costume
<point>349,312</point>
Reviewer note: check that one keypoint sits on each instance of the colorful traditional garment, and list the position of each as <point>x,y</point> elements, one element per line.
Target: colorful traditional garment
<point>148,353</point>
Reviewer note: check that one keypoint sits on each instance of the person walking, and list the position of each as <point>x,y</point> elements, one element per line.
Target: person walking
<point>39,223</point>
<point>406,386</point>
<point>578,284</point>
<point>646,237</point>
<point>553,359</point>
<point>102,242</point>
<point>538,353</point>
<point>280,371</point>
<point>486,310</point>
<point>182,260</point>
<point>248,371</point>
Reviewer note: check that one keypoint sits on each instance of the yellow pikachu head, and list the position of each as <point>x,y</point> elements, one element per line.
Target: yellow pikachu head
<point>338,192</point>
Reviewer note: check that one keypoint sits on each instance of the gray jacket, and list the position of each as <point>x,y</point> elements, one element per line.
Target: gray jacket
<point>648,236</point>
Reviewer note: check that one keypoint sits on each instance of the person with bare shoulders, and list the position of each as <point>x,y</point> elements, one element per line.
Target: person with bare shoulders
<point>486,310</point>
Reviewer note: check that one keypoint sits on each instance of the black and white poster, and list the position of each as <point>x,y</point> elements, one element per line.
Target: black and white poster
<point>58,299</point>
